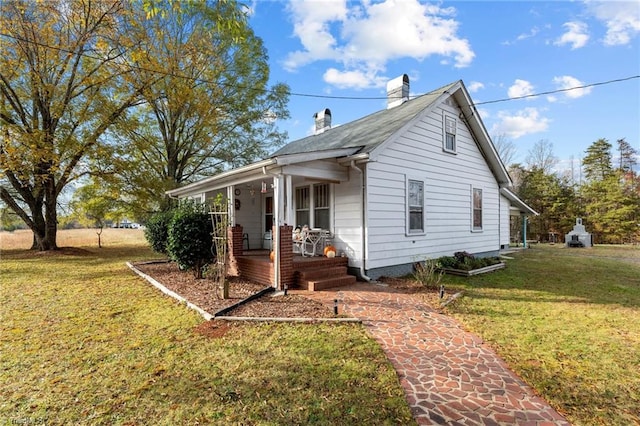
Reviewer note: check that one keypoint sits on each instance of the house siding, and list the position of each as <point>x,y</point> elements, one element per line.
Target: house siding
<point>348,218</point>
<point>449,178</point>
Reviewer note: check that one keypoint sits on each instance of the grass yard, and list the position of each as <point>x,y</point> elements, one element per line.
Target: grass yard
<point>568,322</point>
<point>83,340</point>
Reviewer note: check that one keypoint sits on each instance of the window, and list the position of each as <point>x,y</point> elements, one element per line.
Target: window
<point>415,206</point>
<point>321,206</point>
<point>303,201</point>
<point>268,213</point>
<point>313,206</point>
<point>477,209</point>
<point>449,134</point>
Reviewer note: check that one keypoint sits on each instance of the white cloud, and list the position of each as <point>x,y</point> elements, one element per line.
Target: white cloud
<point>620,17</point>
<point>523,122</point>
<point>534,31</point>
<point>520,88</point>
<point>364,37</point>
<point>568,82</point>
<point>353,79</point>
<point>474,86</point>
<point>577,35</point>
<point>311,26</point>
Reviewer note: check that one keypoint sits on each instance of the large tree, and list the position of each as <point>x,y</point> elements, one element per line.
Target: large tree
<point>610,195</point>
<point>597,160</point>
<point>62,84</point>
<point>552,197</point>
<point>628,155</point>
<point>211,108</point>
<point>506,149</point>
<point>541,156</point>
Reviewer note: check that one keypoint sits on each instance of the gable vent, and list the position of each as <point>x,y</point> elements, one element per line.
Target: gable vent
<point>397,91</point>
<point>323,120</point>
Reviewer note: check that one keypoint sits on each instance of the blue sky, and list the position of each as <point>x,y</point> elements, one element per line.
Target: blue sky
<point>501,50</point>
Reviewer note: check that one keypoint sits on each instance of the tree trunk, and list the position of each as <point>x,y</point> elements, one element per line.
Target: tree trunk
<point>45,226</point>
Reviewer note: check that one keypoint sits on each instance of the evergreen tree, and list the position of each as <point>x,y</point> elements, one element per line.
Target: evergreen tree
<point>552,197</point>
<point>627,155</point>
<point>597,161</point>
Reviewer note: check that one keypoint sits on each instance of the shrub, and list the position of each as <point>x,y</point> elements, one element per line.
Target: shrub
<point>189,240</point>
<point>428,273</point>
<point>465,261</point>
<point>157,229</point>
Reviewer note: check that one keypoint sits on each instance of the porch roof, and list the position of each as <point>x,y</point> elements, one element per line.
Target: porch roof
<point>517,203</point>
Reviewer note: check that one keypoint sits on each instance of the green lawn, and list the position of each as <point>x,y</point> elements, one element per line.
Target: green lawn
<point>568,322</point>
<point>83,340</point>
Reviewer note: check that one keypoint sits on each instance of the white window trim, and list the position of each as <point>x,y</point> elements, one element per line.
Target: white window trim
<point>312,204</point>
<point>409,232</point>
<point>446,116</point>
<point>474,229</point>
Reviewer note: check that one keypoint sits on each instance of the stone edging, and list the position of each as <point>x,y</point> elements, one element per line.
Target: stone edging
<point>170,293</point>
<point>281,319</point>
<point>464,273</point>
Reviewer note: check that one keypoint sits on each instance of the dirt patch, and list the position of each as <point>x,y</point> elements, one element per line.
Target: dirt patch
<point>213,329</point>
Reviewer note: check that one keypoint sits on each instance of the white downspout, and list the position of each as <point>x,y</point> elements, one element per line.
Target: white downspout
<point>363,225</point>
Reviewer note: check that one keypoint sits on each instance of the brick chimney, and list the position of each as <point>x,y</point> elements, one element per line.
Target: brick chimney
<point>397,91</point>
<point>323,120</point>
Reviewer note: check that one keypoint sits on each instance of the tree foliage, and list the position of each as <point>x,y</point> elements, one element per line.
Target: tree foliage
<point>552,197</point>
<point>608,200</point>
<point>94,204</point>
<point>597,160</point>
<point>157,92</point>
<point>211,109</point>
<point>62,84</point>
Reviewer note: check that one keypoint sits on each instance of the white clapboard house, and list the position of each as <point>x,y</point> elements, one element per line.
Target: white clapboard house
<point>420,179</point>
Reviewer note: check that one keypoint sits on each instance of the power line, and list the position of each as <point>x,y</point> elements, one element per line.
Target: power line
<point>311,95</point>
<point>551,92</point>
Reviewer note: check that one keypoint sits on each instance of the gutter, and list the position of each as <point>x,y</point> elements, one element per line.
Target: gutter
<point>364,220</point>
<point>198,185</point>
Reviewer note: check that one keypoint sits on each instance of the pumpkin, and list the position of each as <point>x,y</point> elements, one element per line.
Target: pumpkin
<point>330,249</point>
<point>331,254</point>
<point>272,255</point>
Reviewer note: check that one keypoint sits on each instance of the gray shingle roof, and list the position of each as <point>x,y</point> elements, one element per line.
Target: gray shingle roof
<point>367,132</point>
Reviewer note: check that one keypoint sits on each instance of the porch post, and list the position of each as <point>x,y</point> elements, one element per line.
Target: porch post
<point>231,205</point>
<point>524,231</point>
<point>286,256</point>
<point>288,218</point>
<point>234,239</point>
<point>275,233</point>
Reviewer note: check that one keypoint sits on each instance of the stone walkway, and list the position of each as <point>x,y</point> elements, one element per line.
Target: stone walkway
<point>449,375</point>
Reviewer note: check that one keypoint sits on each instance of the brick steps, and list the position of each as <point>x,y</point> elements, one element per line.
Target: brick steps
<point>315,279</point>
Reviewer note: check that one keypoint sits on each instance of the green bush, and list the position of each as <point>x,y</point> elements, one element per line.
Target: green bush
<point>157,229</point>
<point>189,240</point>
<point>465,261</point>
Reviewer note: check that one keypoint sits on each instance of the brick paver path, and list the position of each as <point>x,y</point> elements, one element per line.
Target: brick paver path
<point>449,376</point>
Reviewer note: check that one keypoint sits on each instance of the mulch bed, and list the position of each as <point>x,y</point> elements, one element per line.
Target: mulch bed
<point>203,293</point>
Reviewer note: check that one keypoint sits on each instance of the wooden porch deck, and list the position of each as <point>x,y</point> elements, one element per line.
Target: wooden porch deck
<point>310,273</point>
